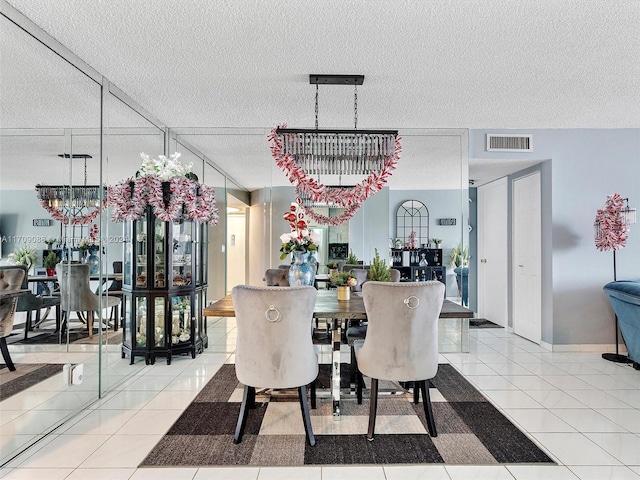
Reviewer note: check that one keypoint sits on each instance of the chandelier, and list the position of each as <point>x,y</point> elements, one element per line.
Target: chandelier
<point>73,204</point>
<point>316,160</point>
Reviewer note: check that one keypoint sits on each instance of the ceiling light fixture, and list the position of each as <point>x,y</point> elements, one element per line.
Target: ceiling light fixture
<point>316,160</point>
<point>73,204</point>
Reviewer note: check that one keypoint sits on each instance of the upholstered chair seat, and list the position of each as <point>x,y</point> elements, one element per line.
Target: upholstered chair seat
<point>10,279</point>
<point>401,342</point>
<point>274,347</point>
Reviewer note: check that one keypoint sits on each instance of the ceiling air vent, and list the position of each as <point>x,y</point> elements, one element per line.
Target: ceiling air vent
<point>509,143</point>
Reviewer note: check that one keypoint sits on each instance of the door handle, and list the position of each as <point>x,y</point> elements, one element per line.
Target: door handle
<point>483,260</point>
<point>521,266</point>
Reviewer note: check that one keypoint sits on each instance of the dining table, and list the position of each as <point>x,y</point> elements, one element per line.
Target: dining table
<point>339,314</point>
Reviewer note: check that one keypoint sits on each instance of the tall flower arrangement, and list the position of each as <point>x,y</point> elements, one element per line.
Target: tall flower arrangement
<point>300,239</point>
<point>169,187</point>
<point>611,230</point>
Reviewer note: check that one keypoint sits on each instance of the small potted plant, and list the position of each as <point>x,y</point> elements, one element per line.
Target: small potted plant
<point>50,262</point>
<point>436,242</point>
<point>379,271</point>
<point>344,281</point>
<point>333,268</point>
<point>352,259</point>
<point>25,255</point>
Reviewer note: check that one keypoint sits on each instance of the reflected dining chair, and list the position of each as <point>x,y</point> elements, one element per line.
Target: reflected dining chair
<point>76,294</point>
<point>274,347</point>
<point>277,277</point>
<point>31,302</point>
<point>10,279</point>
<point>401,343</point>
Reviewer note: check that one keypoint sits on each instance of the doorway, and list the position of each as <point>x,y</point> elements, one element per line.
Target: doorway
<point>527,257</point>
<point>493,250</point>
<point>237,226</point>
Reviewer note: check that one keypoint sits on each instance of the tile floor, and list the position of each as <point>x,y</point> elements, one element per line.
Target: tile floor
<point>582,410</point>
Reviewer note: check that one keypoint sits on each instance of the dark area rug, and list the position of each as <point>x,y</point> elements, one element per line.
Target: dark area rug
<point>47,336</point>
<point>470,429</point>
<point>25,376</point>
<point>482,323</point>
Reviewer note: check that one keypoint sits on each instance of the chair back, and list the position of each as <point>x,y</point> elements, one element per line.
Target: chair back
<point>362,276</point>
<point>402,334</point>
<point>277,277</point>
<point>116,285</point>
<point>395,274</point>
<point>274,347</point>
<point>11,278</point>
<point>75,290</point>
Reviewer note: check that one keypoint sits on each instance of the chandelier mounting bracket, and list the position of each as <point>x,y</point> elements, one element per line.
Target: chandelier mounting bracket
<point>321,79</point>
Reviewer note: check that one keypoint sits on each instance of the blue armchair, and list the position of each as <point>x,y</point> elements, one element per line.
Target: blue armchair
<point>625,300</point>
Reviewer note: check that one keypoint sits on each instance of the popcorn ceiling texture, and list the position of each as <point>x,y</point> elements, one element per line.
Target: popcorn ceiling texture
<point>436,64</point>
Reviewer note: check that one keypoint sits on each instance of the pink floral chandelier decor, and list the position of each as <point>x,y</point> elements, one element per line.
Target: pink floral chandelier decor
<point>168,187</point>
<point>306,155</point>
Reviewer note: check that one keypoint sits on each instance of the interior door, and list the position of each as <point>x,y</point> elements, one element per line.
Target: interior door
<point>493,252</point>
<point>527,262</point>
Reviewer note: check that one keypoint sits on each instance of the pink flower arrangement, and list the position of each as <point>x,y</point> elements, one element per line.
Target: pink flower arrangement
<point>129,198</point>
<point>300,239</point>
<point>611,231</point>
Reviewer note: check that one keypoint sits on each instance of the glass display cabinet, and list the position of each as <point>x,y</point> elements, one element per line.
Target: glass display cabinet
<point>164,288</point>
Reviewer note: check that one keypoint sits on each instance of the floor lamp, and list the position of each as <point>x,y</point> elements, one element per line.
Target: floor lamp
<point>612,225</point>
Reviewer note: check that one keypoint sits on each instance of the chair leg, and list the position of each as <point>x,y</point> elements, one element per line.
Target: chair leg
<point>306,418</point>
<point>313,395</point>
<point>5,354</point>
<point>90,323</point>
<point>248,399</point>
<point>373,408</point>
<point>359,385</point>
<point>428,412</point>
<point>27,324</point>
<point>354,367</point>
<point>416,392</point>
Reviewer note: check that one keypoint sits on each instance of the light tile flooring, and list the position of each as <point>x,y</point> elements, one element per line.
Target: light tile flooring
<point>582,410</point>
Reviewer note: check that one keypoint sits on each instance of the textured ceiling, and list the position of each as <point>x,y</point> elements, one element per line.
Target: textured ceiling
<point>427,65</point>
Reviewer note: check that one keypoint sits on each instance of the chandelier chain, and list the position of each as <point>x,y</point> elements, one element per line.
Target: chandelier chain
<point>355,107</point>
<point>316,106</point>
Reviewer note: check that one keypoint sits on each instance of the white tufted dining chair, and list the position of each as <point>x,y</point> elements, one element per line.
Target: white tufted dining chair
<point>401,343</point>
<point>274,346</point>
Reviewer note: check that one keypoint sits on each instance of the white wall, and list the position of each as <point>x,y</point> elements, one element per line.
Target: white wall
<point>236,251</point>
<point>586,166</point>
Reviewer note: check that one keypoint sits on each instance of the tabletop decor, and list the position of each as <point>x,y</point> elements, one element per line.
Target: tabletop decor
<point>300,243</point>
<point>379,271</point>
<point>50,262</point>
<point>343,282</point>
<point>169,187</point>
<point>25,255</point>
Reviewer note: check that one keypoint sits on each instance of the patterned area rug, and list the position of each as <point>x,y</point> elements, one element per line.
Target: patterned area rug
<point>26,375</point>
<point>470,429</point>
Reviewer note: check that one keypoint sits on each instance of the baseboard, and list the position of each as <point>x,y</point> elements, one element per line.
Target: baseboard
<point>598,347</point>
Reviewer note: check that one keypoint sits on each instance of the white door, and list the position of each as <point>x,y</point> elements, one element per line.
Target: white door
<point>492,252</point>
<point>527,258</point>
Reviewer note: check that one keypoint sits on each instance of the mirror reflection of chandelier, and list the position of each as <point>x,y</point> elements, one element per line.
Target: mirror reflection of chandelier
<point>73,204</point>
<point>317,161</point>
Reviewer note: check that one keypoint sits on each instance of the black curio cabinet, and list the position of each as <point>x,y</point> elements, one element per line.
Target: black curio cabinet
<point>164,288</point>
